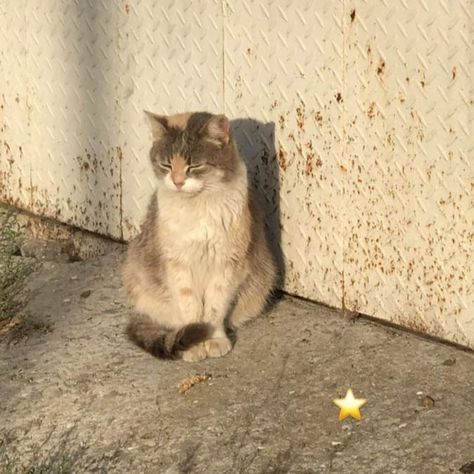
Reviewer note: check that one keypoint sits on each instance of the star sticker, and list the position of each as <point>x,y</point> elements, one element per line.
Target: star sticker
<point>349,406</point>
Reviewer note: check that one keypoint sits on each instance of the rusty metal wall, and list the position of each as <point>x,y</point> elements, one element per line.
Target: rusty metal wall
<point>59,120</point>
<point>283,67</point>
<point>408,113</point>
<point>355,118</point>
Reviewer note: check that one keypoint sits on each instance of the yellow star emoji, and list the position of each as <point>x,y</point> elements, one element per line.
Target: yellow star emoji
<point>349,406</point>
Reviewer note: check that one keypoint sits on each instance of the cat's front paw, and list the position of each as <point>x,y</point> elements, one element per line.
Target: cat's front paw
<point>217,347</point>
<point>196,353</point>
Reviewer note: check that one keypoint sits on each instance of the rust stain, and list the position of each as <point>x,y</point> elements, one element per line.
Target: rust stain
<point>390,140</point>
<point>120,157</point>
<point>453,73</point>
<point>353,15</point>
<point>416,323</point>
<point>238,88</point>
<point>371,110</point>
<point>127,8</point>
<point>338,97</point>
<point>318,118</point>
<point>282,159</point>
<point>381,67</point>
<point>308,171</point>
<point>273,105</point>
<point>281,122</point>
<point>422,83</point>
<point>300,118</point>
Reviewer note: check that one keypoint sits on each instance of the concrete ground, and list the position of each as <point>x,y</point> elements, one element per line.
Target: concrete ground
<point>76,396</point>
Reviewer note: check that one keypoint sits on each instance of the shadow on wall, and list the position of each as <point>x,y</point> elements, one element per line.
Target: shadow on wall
<point>256,143</point>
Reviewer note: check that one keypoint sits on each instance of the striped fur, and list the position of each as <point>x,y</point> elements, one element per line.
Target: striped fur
<point>202,260</point>
<point>166,343</point>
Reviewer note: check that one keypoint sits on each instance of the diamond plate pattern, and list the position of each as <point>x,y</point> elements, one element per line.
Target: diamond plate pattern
<point>355,119</point>
<point>171,61</point>
<point>72,51</point>
<point>283,67</point>
<point>14,109</point>
<point>408,105</point>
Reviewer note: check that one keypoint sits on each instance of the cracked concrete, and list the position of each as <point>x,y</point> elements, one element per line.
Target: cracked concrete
<point>76,396</point>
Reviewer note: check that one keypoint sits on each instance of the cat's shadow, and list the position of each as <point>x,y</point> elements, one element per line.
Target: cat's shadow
<point>256,143</point>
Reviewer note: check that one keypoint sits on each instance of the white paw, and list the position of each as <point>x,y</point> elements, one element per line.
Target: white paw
<point>196,353</point>
<point>217,347</point>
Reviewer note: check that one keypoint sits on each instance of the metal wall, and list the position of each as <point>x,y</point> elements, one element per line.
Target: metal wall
<point>355,118</point>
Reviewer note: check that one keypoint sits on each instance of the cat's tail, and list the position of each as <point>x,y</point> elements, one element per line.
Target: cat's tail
<point>166,343</point>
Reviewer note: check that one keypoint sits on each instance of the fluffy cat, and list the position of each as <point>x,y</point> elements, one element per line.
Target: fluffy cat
<point>202,260</point>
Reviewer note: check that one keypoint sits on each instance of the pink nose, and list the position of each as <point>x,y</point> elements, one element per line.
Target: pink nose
<point>178,184</point>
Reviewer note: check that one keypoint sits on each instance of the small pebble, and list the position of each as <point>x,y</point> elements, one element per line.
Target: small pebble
<point>86,294</point>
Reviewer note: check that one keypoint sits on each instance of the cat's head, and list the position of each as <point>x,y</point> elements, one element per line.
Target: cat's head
<point>192,152</point>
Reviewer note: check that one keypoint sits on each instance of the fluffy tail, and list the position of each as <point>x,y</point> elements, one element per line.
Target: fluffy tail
<point>166,343</point>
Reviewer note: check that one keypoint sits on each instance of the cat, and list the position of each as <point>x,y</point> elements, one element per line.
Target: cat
<point>202,262</point>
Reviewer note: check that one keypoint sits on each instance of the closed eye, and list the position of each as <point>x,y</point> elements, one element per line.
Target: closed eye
<point>165,166</point>
<point>196,167</point>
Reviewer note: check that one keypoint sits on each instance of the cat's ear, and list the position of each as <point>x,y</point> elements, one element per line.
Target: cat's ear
<point>158,124</point>
<point>217,130</point>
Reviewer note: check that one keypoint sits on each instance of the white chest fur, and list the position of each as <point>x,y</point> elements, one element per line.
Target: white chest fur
<point>196,229</point>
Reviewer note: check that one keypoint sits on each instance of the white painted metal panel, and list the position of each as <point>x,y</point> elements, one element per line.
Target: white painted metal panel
<point>283,67</point>
<point>355,119</point>
<point>14,107</point>
<point>409,226</point>
<point>64,80</point>
<point>170,56</point>
<point>73,58</point>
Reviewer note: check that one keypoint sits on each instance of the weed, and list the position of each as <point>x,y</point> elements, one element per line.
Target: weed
<point>13,269</point>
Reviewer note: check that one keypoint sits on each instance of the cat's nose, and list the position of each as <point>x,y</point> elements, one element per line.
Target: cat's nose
<point>178,184</point>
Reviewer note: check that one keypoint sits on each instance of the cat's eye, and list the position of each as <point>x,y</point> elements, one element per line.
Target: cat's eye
<point>196,167</point>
